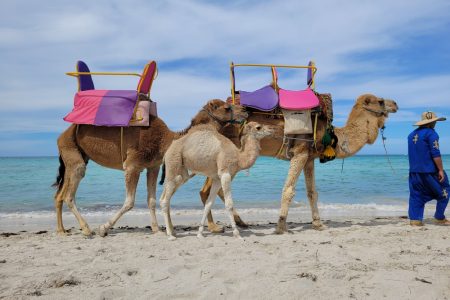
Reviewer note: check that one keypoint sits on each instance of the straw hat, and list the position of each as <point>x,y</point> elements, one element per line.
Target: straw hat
<point>429,117</point>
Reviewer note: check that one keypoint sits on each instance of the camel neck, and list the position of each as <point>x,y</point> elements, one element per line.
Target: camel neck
<point>249,152</point>
<point>361,128</point>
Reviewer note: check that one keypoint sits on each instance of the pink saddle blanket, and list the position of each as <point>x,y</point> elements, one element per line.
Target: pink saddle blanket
<point>298,100</point>
<point>103,107</point>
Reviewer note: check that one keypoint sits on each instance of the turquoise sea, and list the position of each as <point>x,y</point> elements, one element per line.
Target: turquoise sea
<point>25,184</point>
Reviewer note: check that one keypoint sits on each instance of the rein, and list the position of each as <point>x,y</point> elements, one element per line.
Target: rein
<point>230,121</point>
<point>383,138</point>
<point>379,113</point>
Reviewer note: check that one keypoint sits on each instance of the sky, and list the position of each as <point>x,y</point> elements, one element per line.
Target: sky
<point>397,50</point>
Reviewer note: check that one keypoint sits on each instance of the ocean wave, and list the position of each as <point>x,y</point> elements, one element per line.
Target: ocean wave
<point>301,208</point>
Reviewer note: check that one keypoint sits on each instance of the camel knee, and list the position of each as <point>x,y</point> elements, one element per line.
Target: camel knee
<point>70,202</point>
<point>152,203</point>
<point>80,170</point>
<point>128,206</point>
<point>229,205</point>
<point>164,205</point>
<point>288,194</point>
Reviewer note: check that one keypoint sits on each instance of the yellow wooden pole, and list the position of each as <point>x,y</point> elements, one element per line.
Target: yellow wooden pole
<point>76,74</point>
<point>232,83</point>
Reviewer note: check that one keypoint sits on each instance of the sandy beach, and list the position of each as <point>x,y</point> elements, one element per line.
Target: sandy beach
<point>354,258</point>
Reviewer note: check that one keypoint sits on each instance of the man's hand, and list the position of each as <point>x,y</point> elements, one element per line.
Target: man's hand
<point>440,167</point>
<point>441,176</point>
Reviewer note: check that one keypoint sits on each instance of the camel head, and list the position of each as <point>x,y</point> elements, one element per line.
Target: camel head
<point>224,112</point>
<point>257,130</point>
<point>376,105</point>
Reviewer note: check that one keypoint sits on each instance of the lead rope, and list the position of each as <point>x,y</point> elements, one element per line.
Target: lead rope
<point>121,145</point>
<point>383,138</point>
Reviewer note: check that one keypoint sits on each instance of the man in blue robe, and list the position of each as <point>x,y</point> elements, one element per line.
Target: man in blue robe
<point>427,178</point>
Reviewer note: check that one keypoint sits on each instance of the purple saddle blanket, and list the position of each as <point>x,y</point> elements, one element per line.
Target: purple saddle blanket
<point>265,99</point>
<point>103,107</point>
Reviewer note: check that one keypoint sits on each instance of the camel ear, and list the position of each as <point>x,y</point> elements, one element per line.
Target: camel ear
<point>212,105</point>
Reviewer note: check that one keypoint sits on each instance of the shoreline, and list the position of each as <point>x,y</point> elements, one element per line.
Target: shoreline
<point>140,217</point>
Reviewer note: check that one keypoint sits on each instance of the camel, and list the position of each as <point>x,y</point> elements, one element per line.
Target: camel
<point>203,150</point>
<point>139,148</point>
<point>367,116</point>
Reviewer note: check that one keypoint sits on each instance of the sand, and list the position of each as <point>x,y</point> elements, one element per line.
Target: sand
<point>354,258</point>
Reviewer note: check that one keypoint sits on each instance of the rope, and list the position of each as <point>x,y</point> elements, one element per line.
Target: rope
<point>121,145</point>
<point>383,138</point>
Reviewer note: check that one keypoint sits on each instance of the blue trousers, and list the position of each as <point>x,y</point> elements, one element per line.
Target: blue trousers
<point>424,187</point>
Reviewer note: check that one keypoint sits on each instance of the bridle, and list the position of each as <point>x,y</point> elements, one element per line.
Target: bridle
<point>379,113</point>
<point>230,121</point>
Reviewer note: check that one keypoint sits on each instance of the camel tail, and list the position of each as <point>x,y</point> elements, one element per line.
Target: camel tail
<point>60,177</point>
<point>163,174</point>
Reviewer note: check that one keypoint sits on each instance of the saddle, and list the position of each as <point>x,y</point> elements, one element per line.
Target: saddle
<point>112,107</point>
<point>300,109</point>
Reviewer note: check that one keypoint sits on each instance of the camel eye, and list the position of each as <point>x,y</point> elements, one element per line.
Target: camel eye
<point>258,127</point>
<point>227,108</point>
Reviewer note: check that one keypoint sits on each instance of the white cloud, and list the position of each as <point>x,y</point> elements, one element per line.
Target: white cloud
<point>39,41</point>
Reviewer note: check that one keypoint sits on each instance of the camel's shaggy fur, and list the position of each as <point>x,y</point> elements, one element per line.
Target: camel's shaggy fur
<point>205,151</point>
<point>143,148</point>
<point>366,118</point>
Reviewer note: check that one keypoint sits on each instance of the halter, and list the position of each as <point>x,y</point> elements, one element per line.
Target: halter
<point>230,121</point>
<point>379,113</point>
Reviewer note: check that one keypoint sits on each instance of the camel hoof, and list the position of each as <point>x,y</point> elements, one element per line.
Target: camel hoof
<point>86,232</point>
<point>239,222</point>
<point>200,236</point>
<point>214,228</point>
<point>155,229</point>
<point>102,231</point>
<point>61,233</point>
<point>281,226</point>
<point>317,225</point>
<point>236,234</point>
<point>171,238</point>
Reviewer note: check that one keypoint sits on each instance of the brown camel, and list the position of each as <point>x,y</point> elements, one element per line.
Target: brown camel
<point>141,148</point>
<point>203,150</point>
<point>366,118</point>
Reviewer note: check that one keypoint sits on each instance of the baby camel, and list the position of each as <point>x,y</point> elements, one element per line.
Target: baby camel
<point>205,151</point>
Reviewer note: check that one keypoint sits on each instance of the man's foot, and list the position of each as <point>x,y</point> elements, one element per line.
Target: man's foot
<point>415,223</point>
<point>442,222</point>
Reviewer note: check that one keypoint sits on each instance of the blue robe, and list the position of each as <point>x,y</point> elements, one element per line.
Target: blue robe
<point>424,185</point>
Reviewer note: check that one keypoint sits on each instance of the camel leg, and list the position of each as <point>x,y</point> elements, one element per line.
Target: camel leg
<point>204,196</point>
<point>311,191</point>
<point>152,177</point>
<point>59,223</point>
<point>215,186</point>
<point>296,166</point>
<point>131,181</point>
<point>75,170</point>
<point>225,180</point>
<point>170,187</point>
<point>213,227</point>
<point>236,216</point>
<point>164,202</point>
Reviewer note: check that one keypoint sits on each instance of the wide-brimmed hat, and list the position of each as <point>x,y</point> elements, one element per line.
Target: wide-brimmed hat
<point>429,117</point>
